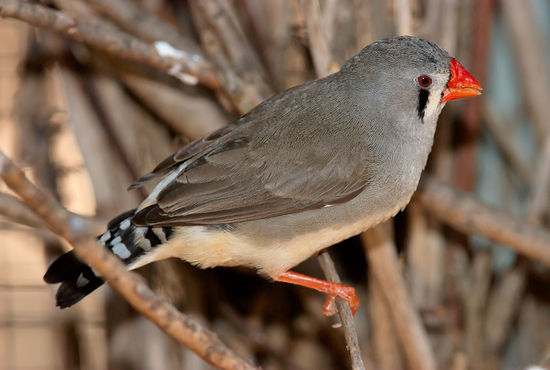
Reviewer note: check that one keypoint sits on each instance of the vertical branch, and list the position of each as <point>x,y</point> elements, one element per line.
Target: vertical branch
<point>384,341</point>
<point>532,62</point>
<point>403,17</point>
<point>384,264</point>
<point>318,39</point>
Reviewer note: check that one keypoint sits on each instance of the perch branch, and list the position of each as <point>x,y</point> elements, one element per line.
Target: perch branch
<point>112,41</point>
<point>467,214</point>
<point>344,311</point>
<point>132,287</point>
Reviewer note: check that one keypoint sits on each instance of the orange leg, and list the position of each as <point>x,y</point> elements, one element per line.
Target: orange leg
<point>332,289</point>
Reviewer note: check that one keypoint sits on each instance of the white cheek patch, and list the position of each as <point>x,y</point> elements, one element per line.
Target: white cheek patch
<point>433,106</point>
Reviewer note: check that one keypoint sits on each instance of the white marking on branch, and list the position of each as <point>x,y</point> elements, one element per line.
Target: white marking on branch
<point>164,49</point>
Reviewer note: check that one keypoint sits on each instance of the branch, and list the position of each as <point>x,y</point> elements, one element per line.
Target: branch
<point>507,146</point>
<point>112,41</point>
<point>467,214</point>
<point>384,264</point>
<point>131,286</point>
<point>239,68</point>
<point>132,16</point>
<point>346,317</point>
<point>318,37</point>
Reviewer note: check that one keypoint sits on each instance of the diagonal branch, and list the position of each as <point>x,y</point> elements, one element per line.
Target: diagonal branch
<point>78,232</point>
<point>467,214</point>
<point>113,41</point>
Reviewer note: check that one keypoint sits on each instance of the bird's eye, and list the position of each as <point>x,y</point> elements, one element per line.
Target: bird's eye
<point>424,81</point>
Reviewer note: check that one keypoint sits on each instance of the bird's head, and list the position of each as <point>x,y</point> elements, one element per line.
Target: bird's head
<point>411,77</point>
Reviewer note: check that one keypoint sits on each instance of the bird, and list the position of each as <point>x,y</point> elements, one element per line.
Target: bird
<point>303,170</point>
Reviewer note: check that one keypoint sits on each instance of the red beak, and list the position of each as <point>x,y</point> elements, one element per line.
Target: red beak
<point>461,84</point>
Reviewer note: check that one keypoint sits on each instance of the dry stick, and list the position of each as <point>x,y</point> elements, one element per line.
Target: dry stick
<point>403,17</point>
<point>110,40</point>
<point>384,339</point>
<point>467,214</point>
<point>384,264</point>
<point>237,63</point>
<point>531,61</point>
<point>132,287</point>
<point>526,38</point>
<point>475,300</point>
<point>132,16</point>
<point>202,115</point>
<point>318,38</point>
<point>104,119</point>
<point>14,210</point>
<point>344,311</point>
<point>507,146</point>
<point>538,203</point>
<point>503,305</point>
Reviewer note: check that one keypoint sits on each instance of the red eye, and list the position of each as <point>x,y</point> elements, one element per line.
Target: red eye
<point>424,81</point>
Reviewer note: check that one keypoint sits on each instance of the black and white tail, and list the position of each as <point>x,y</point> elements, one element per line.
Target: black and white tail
<point>122,238</point>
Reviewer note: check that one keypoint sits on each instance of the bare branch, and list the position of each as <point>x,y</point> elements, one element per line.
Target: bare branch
<point>144,24</point>
<point>467,214</point>
<point>346,317</point>
<point>318,38</point>
<point>112,41</point>
<point>131,286</point>
<point>384,265</point>
<point>240,70</point>
<point>508,147</point>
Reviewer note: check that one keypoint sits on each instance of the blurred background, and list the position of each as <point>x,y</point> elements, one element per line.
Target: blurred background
<point>84,122</point>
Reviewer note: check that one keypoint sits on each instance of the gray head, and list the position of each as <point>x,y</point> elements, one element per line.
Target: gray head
<point>409,75</point>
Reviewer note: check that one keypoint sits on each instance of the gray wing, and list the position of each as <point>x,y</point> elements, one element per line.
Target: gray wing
<point>236,175</point>
<point>297,151</point>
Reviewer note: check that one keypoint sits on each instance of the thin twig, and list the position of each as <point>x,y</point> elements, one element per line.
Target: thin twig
<point>318,38</point>
<point>507,145</point>
<point>467,214</point>
<point>14,210</point>
<point>344,311</point>
<point>131,286</point>
<point>383,262</point>
<point>115,42</point>
<point>132,16</point>
<point>538,202</point>
<point>531,61</point>
<point>238,65</point>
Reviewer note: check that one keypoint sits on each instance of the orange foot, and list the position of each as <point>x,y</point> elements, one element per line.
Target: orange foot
<point>332,289</point>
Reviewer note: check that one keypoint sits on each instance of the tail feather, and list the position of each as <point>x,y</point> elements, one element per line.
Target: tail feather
<point>77,279</point>
<point>122,238</point>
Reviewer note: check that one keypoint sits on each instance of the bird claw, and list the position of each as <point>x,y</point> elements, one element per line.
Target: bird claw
<point>348,294</point>
<point>329,308</point>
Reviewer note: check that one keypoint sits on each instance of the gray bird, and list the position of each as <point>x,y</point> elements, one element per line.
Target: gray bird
<point>305,169</point>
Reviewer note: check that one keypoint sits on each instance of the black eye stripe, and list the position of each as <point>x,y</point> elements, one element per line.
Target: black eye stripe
<point>423,95</point>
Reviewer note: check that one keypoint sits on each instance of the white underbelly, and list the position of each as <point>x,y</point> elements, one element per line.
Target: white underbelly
<point>206,247</point>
